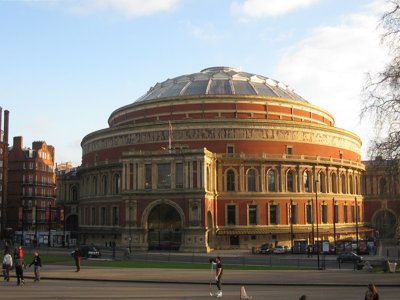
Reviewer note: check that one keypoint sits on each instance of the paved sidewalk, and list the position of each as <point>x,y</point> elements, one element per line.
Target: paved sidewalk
<point>231,277</point>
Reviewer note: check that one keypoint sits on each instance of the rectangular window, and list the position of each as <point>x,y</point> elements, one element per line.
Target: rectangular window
<point>115,216</point>
<point>273,214</point>
<point>179,175</point>
<point>289,150</point>
<point>93,216</point>
<point>230,150</point>
<point>345,214</point>
<point>147,177</point>
<point>353,213</point>
<point>358,213</point>
<point>86,216</point>
<point>163,176</point>
<point>102,216</point>
<point>324,214</point>
<point>336,213</point>
<point>252,214</point>
<point>294,214</point>
<point>231,217</point>
<point>309,214</point>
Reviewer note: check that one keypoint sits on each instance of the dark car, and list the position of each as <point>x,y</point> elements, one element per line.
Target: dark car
<point>265,249</point>
<point>90,251</point>
<point>349,257</point>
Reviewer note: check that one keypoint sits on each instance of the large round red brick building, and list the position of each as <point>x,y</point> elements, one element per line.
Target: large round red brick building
<point>219,159</point>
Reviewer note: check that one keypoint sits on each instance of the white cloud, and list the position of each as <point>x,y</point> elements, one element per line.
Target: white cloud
<point>205,32</point>
<point>129,8</point>
<point>263,8</point>
<point>329,67</point>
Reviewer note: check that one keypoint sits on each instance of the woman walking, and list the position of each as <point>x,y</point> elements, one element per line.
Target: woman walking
<point>371,293</point>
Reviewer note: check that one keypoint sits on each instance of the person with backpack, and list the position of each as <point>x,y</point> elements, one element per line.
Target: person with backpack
<point>19,265</point>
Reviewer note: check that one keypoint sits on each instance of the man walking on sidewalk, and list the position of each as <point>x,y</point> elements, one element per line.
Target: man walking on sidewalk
<point>218,275</point>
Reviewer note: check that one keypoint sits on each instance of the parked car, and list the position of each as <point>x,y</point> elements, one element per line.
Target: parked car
<point>349,257</point>
<point>265,249</point>
<point>89,251</point>
<point>281,249</point>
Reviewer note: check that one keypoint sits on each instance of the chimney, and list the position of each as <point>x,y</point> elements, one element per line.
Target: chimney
<point>1,115</point>
<point>18,142</point>
<point>6,119</point>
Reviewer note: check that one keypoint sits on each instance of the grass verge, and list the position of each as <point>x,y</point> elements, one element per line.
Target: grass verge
<point>66,260</point>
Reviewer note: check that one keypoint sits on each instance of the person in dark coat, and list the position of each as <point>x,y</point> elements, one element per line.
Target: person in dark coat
<point>19,265</point>
<point>37,264</point>
<point>77,257</point>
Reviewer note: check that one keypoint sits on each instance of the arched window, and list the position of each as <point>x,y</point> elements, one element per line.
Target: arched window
<point>230,181</point>
<point>321,185</point>
<point>87,186</point>
<point>334,183</point>
<point>307,181</point>
<point>94,183</point>
<point>74,194</point>
<point>105,184</point>
<point>351,184</point>
<point>382,186</point>
<point>117,184</point>
<point>251,180</point>
<point>357,185</point>
<point>271,181</point>
<point>290,181</point>
<point>343,183</point>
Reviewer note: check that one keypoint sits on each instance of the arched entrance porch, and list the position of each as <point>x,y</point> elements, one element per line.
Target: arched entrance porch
<point>164,224</point>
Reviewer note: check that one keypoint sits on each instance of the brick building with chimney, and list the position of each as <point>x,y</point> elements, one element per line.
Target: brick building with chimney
<point>31,209</point>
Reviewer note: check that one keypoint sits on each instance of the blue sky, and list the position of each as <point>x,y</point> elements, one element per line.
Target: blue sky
<point>65,65</point>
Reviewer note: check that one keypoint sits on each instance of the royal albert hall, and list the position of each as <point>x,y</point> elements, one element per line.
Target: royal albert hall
<point>220,159</point>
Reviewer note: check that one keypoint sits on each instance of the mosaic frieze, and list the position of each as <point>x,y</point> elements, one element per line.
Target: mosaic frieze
<point>207,134</point>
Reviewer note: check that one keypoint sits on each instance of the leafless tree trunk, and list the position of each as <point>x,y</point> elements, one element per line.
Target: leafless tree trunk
<point>382,93</point>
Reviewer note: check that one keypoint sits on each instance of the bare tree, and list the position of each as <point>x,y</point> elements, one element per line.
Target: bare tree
<point>382,93</point>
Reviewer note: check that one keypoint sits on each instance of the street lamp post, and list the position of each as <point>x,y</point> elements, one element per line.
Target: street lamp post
<point>23,224</point>
<point>310,202</point>
<point>334,223</point>
<point>291,224</point>
<point>36,226</point>
<point>49,240</point>
<point>356,213</point>
<point>130,226</point>
<point>317,217</point>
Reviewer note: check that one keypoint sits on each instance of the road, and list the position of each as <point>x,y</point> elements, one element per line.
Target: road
<point>82,290</point>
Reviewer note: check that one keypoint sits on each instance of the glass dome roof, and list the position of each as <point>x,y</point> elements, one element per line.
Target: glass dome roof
<point>220,81</point>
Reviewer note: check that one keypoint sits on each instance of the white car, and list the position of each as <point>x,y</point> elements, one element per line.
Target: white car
<point>281,249</point>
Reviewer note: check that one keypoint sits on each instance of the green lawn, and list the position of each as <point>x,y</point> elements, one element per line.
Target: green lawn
<point>68,260</point>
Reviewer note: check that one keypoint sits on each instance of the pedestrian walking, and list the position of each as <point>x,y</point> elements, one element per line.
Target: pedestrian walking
<point>76,254</point>
<point>7,265</point>
<point>19,265</point>
<point>371,293</point>
<point>303,297</point>
<point>37,264</point>
<point>218,275</point>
